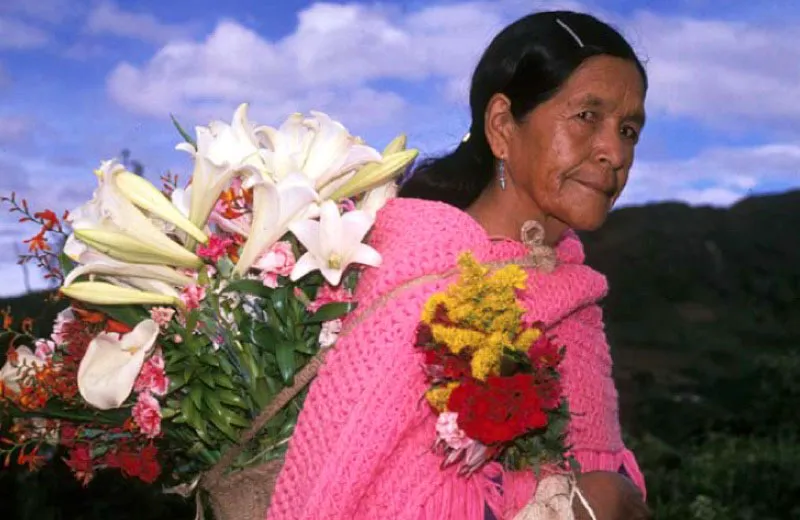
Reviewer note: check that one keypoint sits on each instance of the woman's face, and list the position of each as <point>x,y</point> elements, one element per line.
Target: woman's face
<point>570,157</point>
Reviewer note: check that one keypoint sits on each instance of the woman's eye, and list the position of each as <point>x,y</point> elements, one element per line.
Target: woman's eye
<point>630,133</point>
<point>587,115</point>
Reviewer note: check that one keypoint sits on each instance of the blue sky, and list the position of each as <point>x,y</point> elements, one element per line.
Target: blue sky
<point>80,80</point>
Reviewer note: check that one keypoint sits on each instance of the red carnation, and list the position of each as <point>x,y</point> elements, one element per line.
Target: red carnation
<point>499,410</point>
<point>544,353</point>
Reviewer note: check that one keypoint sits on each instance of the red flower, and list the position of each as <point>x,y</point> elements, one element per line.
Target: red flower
<point>447,365</point>
<point>500,410</point>
<point>80,459</point>
<point>68,433</point>
<point>544,353</point>
<point>456,367</point>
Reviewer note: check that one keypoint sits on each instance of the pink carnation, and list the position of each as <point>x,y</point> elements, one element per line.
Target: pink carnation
<point>147,414</point>
<point>215,249</point>
<point>192,295</point>
<point>162,315</point>
<point>447,430</point>
<point>330,333</point>
<point>63,319</point>
<point>279,260</point>
<point>152,377</point>
<point>328,294</point>
<point>44,349</point>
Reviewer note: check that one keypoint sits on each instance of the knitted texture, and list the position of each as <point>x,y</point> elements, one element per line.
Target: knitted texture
<point>362,445</point>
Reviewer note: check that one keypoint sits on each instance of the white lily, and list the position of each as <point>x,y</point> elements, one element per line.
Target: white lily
<point>12,373</point>
<point>275,207</point>
<point>376,198</point>
<point>110,215</point>
<point>334,242</point>
<point>223,151</point>
<point>182,199</point>
<point>111,364</point>
<point>286,147</point>
<point>320,147</point>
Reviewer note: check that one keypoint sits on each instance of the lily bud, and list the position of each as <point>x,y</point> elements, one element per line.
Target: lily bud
<point>132,250</point>
<point>144,195</point>
<point>101,293</point>
<point>375,174</point>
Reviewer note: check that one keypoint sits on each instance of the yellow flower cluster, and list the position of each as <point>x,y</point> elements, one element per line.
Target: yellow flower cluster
<point>439,395</point>
<point>483,315</point>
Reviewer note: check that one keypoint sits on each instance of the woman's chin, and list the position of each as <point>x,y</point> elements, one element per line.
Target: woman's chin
<point>587,217</point>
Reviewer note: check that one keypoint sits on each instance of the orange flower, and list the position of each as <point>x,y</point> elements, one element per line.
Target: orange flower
<point>48,218</point>
<point>37,242</point>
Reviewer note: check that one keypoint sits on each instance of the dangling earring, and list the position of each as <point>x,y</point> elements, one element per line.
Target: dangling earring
<point>501,173</point>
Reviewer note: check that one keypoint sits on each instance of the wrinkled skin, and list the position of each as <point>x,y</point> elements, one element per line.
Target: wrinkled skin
<point>567,161</point>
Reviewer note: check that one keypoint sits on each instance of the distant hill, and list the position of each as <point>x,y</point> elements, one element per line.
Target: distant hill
<point>693,288</point>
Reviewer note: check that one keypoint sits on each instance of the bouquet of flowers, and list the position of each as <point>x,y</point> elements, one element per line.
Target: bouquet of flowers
<point>196,314</point>
<point>494,376</point>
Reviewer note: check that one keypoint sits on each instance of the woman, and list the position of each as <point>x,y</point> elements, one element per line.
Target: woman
<point>557,108</point>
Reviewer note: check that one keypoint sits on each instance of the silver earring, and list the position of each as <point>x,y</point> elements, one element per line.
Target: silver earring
<point>501,173</point>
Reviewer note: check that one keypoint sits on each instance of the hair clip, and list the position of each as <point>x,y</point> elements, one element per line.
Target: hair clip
<point>570,31</point>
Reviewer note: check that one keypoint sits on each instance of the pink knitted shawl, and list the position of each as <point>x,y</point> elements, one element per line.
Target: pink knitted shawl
<point>362,447</point>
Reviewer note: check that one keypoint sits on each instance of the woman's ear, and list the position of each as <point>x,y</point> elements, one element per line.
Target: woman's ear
<point>499,125</point>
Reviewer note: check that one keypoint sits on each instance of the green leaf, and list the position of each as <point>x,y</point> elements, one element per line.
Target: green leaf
<point>224,381</point>
<point>186,137</point>
<point>208,379</point>
<point>189,411</point>
<point>221,417</point>
<point>210,360</point>
<point>66,264</point>
<point>331,311</point>
<point>228,397</point>
<point>253,287</point>
<point>279,300</point>
<point>264,337</point>
<point>262,392</point>
<point>196,395</point>
<point>309,347</point>
<point>176,381</point>
<point>128,314</point>
<point>286,362</point>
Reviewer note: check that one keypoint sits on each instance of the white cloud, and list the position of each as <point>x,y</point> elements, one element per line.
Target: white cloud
<point>725,73</point>
<point>18,35</point>
<point>108,18</point>
<point>331,61</point>
<point>718,176</point>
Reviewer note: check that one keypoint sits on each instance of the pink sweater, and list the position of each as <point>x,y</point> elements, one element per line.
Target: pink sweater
<point>361,449</point>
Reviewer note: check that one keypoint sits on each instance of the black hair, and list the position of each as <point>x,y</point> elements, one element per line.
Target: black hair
<point>528,62</point>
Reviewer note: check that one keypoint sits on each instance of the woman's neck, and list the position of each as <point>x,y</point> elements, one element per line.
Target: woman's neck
<point>503,213</point>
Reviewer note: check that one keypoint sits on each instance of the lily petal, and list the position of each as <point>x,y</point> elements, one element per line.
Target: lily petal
<point>109,368</point>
